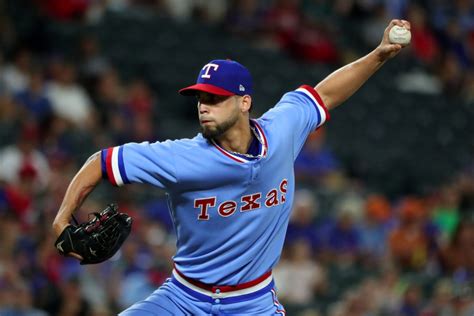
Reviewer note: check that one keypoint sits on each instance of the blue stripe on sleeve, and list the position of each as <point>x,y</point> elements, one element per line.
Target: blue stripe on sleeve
<point>103,154</point>
<point>314,104</point>
<point>121,165</point>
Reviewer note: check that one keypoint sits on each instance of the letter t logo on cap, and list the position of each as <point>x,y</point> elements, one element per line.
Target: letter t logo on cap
<point>207,68</point>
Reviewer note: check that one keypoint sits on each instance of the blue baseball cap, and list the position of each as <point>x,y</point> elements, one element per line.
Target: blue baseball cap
<point>222,77</point>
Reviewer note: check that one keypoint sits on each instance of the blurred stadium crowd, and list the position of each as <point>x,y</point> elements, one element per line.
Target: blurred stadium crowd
<point>352,249</point>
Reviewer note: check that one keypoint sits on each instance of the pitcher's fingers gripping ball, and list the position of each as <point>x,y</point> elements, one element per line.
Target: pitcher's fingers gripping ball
<point>399,35</point>
<point>97,239</point>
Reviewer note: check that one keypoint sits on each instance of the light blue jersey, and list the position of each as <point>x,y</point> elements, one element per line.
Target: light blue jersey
<point>230,212</point>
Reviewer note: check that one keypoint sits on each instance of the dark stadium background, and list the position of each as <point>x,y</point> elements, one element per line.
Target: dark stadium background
<point>383,220</point>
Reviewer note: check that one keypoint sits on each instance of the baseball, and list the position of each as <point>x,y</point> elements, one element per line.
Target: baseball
<point>399,35</point>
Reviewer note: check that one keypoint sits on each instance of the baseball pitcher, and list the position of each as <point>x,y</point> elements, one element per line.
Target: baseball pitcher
<point>230,188</point>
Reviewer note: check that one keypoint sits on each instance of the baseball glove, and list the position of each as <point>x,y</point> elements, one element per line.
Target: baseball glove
<point>97,239</point>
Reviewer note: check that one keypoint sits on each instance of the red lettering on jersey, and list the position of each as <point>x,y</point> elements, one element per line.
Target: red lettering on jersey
<point>227,208</point>
<point>283,189</point>
<point>250,202</point>
<point>272,198</point>
<point>204,204</point>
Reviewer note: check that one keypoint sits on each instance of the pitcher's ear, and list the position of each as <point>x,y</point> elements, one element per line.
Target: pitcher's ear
<point>246,103</point>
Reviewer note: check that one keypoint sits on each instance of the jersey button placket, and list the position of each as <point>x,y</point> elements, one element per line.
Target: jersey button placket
<point>217,293</point>
<point>255,171</point>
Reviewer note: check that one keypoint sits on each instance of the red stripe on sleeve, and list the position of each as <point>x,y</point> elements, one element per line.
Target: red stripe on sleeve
<point>316,95</point>
<point>108,164</point>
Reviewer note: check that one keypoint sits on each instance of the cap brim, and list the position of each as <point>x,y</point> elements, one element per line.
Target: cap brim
<point>192,90</point>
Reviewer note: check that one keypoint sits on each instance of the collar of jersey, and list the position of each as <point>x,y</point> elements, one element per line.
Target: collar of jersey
<point>243,159</point>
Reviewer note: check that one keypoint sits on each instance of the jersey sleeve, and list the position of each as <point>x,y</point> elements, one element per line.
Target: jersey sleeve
<point>298,113</point>
<point>306,107</point>
<point>140,163</point>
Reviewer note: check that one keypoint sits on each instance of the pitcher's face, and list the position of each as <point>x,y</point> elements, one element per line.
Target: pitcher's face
<point>217,114</point>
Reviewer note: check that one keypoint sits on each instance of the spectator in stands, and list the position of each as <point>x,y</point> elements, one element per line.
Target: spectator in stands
<point>144,128</point>
<point>316,161</point>
<point>465,187</point>
<point>387,291</point>
<point>299,276</point>
<point>424,44</point>
<point>446,212</point>
<point>302,224</point>
<point>33,98</point>
<point>409,243</point>
<point>344,238</point>
<point>15,76</point>
<point>10,235</point>
<point>139,98</point>
<point>412,301</point>
<point>69,100</point>
<point>109,97</point>
<point>441,299</point>
<point>20,301</point>
<point>461,301</point>
<point>109,92</point>
<point>313,43</point>
<point>10,120</point>
<point>135,261</point>
<point>141,104</point>
<point>375,226</point>
<point>92,63</point>
<point>465,14</point>
<point>459,254</point>
<point>25,152</point>
<point>463,305</point>
<point>356,304</point>
<point>20,196</point>
<point>283,21</point>
<point>454,39</point>
<point>372,26</point>
<point>72,301</point>
<point>453,21</point>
